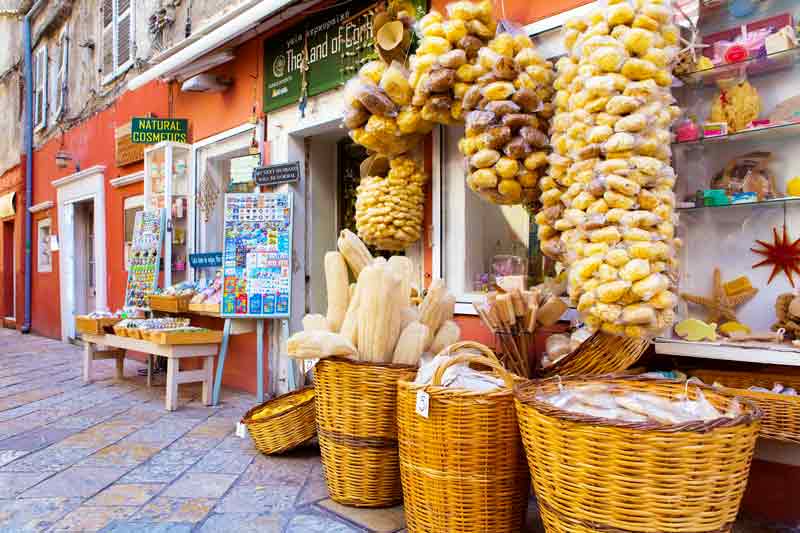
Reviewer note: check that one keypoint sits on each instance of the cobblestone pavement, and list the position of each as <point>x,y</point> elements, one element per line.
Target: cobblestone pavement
<point>108,457</point>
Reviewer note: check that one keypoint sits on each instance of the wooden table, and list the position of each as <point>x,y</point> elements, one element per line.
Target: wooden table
<point>173,352</point>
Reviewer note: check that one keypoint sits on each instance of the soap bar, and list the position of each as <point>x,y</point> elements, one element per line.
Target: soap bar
<point>737,286</point>
<point>695,330</point>
<point>715,197</point>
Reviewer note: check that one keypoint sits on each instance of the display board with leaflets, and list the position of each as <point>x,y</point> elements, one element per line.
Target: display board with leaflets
<point>145,257</point>
<point>257,255</point>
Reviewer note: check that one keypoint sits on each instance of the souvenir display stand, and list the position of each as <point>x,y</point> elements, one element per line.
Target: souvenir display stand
<point>738,187</point>
<point>167,167</point>
<point>256,263</point>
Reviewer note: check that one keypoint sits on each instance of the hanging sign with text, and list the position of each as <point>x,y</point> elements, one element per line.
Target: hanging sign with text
<point>155,130</point>
<point>277,174</point>
<point>336,42</point>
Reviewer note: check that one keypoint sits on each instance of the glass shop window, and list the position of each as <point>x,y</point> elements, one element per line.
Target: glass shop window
<point>223,167</point>
<point>133,205</point>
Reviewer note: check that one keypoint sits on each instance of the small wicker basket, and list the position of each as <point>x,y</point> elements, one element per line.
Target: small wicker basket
<point>463,467</point>
<point>600,354</point>
<point>283,423</point>
<point>598,475</point>
<point>781,412</point>
<point>356,405</point>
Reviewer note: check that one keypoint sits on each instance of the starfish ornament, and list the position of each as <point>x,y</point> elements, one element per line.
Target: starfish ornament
<point>721,307</point>
<point>782,255</point>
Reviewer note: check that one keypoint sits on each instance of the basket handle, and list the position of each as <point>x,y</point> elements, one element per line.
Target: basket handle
<point>482,348</point>
<point>507,377</point>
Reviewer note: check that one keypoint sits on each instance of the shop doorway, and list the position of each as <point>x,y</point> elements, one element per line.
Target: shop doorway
<point>84,260</point>
<point>9,275</point>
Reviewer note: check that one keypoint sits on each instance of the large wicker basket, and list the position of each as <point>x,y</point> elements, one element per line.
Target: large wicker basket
<point>781,419</point>
<point>600,354</point>
<point>356,404</point>
<point>463,467</point>
<point>283,423</point>
<point>598,475</point>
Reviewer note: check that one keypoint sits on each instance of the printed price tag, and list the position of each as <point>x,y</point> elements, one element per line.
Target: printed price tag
<point>241,430</point>
<point>423,403</point>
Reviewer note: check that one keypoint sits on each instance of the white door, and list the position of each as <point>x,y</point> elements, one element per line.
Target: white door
<point>67,258</point>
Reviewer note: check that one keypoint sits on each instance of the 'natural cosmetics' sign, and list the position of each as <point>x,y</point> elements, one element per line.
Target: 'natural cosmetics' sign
<point>155,130</point>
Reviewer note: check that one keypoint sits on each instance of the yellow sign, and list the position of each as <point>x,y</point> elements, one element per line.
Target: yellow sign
<point>7,205</point>
<point>126,151</point>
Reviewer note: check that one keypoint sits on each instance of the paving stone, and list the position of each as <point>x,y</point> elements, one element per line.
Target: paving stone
<point>288,469</point>
<point>91,518</point>
<point>214,429</point>
<point>243,523</point>
<point>14,483</point>
<point>223,462</point>
<point>318,523</point>
<point>35,439</point>
<point>156,472</point>
<point>121,454</point>
<point>378,520</point>
<point>7,456</point>
<point>138,526</point>
<point>51,459</point>
<point>266,498</point>
<point>159,433</point>
<point>314,489</point>
<point>75,482</point>
<point>33,515</point>
<point>164,509</point>
<point>200,485</point>
<point>125,494</point>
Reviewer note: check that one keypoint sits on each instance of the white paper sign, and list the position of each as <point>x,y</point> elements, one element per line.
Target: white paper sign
<point>53,243</point>
<point>241,430</point>
<point>423,403</point>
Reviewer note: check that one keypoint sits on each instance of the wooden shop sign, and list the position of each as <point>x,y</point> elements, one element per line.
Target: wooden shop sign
<point>125,150</point>
<point>277,174</point>
<point>146,130</point>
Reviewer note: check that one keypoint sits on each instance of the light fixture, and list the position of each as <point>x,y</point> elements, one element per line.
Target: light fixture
<point>63,158</point>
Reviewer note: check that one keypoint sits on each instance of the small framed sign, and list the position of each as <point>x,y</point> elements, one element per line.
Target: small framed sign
<point>206,260</point>
<point>277,174</point>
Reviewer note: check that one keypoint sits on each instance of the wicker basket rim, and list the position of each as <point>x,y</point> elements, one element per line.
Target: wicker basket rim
<point>525,393</point>
<point>393,366</point>
<point>555,368</point>
<point>453,392</point>
<point>247,419</point>
<point>771,396</point>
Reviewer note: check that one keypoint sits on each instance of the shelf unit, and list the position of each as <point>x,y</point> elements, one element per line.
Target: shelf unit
<point>722,236</point>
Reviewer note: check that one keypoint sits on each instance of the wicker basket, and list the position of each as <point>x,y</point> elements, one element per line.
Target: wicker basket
<point>600,354</point>
<point>356,405</point>
<point>781,419</point>
<point>288,422</point>
<point>597,475</point>
<point>463,467</point>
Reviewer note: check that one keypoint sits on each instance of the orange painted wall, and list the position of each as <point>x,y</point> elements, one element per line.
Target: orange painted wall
<point>522,11</point>
<point>91,143</point>
<point>12,180</point>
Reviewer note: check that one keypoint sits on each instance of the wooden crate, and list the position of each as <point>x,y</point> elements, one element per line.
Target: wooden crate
<point>94,326</point>
<point>185,337</point>
<point>168,303</point>
<point>204,308</point>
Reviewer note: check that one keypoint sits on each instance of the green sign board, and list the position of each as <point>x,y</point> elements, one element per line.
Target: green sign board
<point>154,130</point>
<point>336,42</point>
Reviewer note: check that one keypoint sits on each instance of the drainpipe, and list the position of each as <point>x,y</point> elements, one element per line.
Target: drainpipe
<point>28,51</point>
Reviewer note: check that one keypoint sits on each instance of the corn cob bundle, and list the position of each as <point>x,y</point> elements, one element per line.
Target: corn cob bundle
<point>390,209</point>
<point>355,252</point>
<point>507,119</point>
<point>445,64</point>
<point>608,198</point>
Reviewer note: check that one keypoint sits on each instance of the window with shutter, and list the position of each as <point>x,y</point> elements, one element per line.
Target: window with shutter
<point>40,88</point>
<point>62,79</point>
<point>117,38</point>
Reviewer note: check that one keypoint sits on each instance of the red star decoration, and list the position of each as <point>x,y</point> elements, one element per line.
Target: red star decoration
<point>782,255</point>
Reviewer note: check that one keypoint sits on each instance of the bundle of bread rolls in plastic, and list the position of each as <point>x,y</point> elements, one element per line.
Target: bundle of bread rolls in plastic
<point>445,64</point>
<point>506,110</point>
<point>390,204</point>
<point>607,200</point>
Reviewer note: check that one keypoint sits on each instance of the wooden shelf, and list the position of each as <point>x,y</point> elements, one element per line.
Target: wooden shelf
<point>763,353</point>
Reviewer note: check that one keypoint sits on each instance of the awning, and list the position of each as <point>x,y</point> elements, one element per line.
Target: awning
<point>7,205</point>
